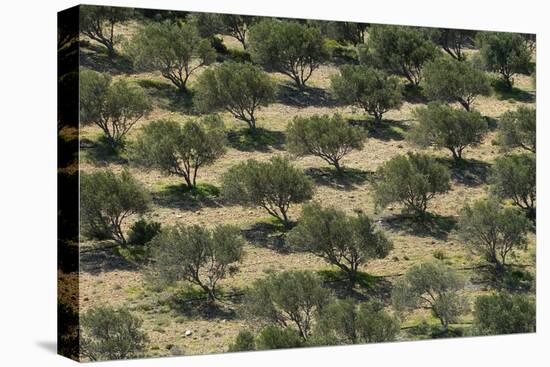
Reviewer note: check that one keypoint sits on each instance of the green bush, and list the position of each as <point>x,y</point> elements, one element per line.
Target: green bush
<point>106,201</point>
<point>290,48</point>
<point>239,88</point>
<point>180,149</point>
<point>493,231</point>
<point>412,180</point>
<point>456,81</point>
<point>109,334</point>
<point>115,107</point>
<point>275,337</point>
<point>432,286</point>
<point>442,126</point>
<point>518,129</point>
<point>243,342</point>
<point>273,185</point>
<point>330,138</point>
<point>504,314</point>
<point>142,232</point>
<point>198,255</point>
<point>514,177</point>
<point>341,240</point>
<point>368,88</point>
<point>289,297</point>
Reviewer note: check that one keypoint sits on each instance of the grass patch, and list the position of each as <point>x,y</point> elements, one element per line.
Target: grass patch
<point>133,254</point>
<point>261,139</point>
<point>364,280</point>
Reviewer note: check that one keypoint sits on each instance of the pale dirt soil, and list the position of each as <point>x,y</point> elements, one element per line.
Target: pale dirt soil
<point>127,287</point>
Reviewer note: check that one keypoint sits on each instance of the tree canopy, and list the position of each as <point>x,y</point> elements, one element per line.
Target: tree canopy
<point>412,180</point>
<point>290,48</point>
<point>113,106</point>
<point>442,126</point>
<point>272,185</point>
<point>518,129</point>
<point>503,313</point>
<point>239,88</point>
<point>446,79</point>
<point>368,88</point>
<point>180,149</point>
<point>98,23</point>
<point>176,50</point>
<point>328,137</point>
<point>344,241</point>
<point>196,254</point>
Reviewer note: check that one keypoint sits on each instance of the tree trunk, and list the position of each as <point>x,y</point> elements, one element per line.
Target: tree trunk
<point>377,119</point>
<point>352,279</point>
<point>339,170</point>
<point>464,104</point>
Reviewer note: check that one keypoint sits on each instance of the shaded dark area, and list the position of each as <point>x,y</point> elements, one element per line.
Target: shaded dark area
<point>307,97</point>
<point>180,196</point>
<point>191,302</point>
<point>504,93</point>
<point>260,140</point>
<point>433,225</point>
<point>103,258</point>
<point>387,130</point>
<point>100,152</point>
<point>167,96</point>
<point>468,172</point>
<point>414,94</point>
<point>425,330</point>
<point>96,57</point>
<point>515,278</point>
<point>349,180</point>
<point>367,287</point>
<point>267,235</point>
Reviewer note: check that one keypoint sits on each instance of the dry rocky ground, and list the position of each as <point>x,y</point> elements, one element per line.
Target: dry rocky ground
<point>106,278</point>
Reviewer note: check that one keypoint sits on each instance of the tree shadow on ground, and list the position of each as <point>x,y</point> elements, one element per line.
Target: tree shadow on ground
<point>349,180</point>
<point>434,225</point>
<point>167,96</point>
<point>515,278</point>
<point>503,93</point>
<point>470,173</point>
<point>267,235</point>
<point>307,97</point>
<point>260,140</point>
<point>191,302</point>
<point>95,57</point>
<point>387,130</point>
<point>424,330</point>
<point>100,153</point>
<point>180,196</point>
<point>368,286</point>
<point>103,258</point>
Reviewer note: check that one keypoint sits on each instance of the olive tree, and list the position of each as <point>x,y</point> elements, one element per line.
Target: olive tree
<point>453,41</point>
<point>272,185</point>
<point>504,53</point>
<point>330,138</point>
<point>197,255</point>
<point>109,333</point>
<point>399,50</point>
<point>518,129</point>
<point>176,50</point>
<point>344,322</point>
<point>341,240</point>
<point>98,23</point>
<point>493,231</point>
<point>432,286</point>
<point>368,88</point>
<point>239,88</point>
<point>503,313</point>
<point>276,337</point>
<point>446,79</point>
<point>514,177</point>
<point>412,180</point>
<point>344,32</point>
<point>115,107</point>
<point>290,48</point>
<point>442,126</point>
<point>287,298</point>
<point>107,200</point>
<point>180,149</point>
<point>236,26</point>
